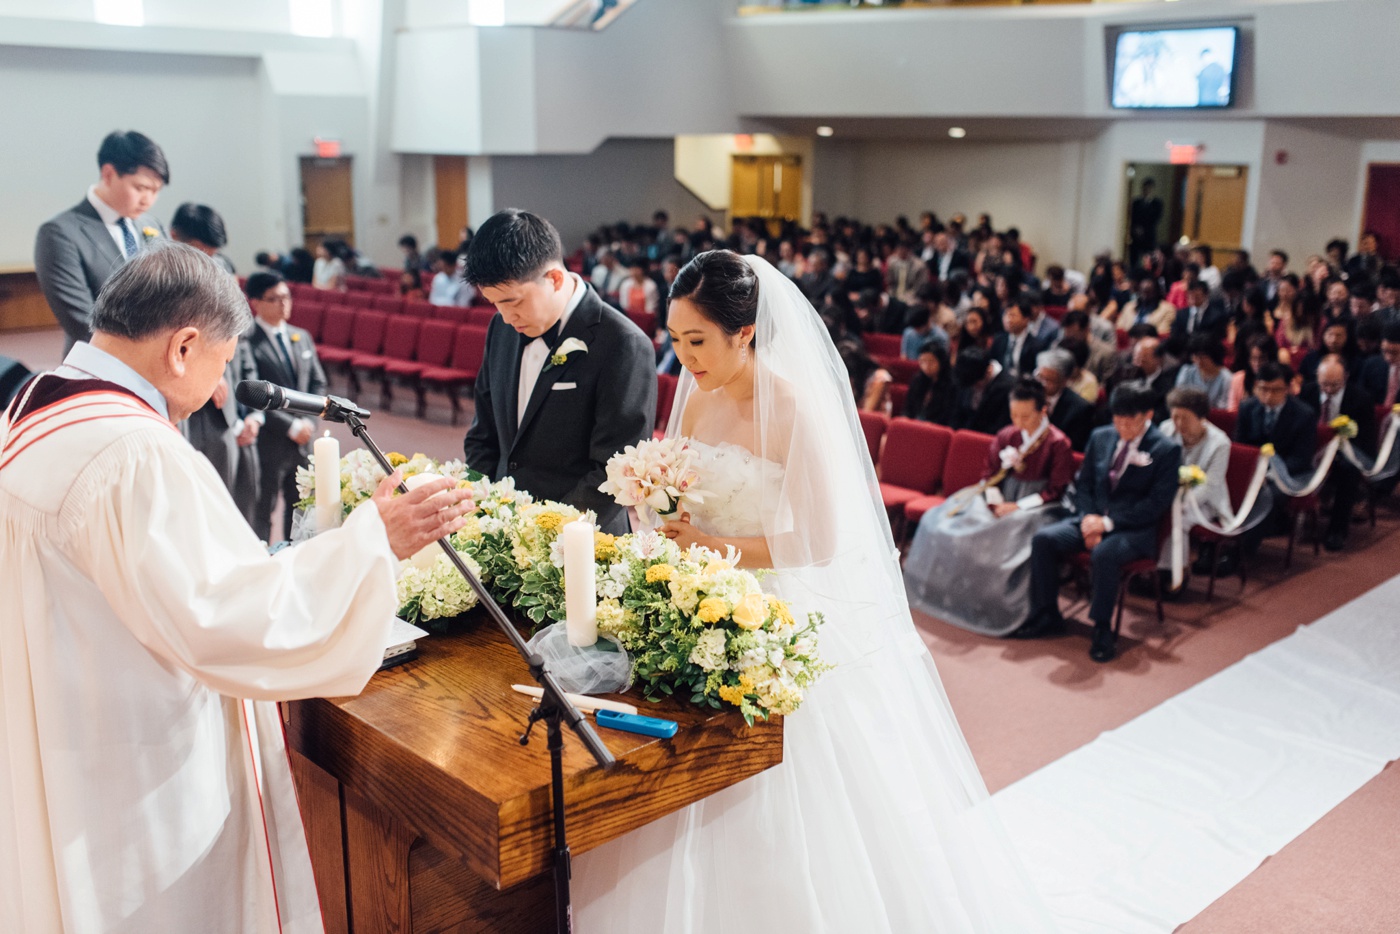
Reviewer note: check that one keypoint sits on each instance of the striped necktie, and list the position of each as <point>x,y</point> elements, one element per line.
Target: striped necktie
<point>128,237</point>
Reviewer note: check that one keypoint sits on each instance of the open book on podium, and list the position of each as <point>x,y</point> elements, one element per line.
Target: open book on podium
<point>424,813</point>
<point>403,643</point>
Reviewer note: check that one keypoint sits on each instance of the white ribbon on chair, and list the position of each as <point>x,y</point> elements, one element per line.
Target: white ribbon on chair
<point>1187,512</point>
<point>1387,462</point>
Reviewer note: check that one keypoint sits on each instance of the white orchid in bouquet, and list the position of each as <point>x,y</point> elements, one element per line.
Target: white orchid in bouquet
<point>654,475</point>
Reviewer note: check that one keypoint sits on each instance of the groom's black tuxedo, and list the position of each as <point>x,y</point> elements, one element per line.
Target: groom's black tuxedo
<point>580,413</point>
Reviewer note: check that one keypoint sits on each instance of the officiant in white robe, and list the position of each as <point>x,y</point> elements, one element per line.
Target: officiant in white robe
<point>144,631</point>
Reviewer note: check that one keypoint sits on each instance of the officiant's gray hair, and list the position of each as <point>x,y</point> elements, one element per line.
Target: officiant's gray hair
<point>166,286</point>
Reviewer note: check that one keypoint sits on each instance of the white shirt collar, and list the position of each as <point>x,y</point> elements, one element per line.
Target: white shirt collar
<point>270,329</point>
<point>85,361</point>
<point>109,214</point>
<point>580,289</point>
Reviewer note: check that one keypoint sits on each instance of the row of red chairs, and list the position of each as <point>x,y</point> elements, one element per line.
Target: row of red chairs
<point>310,315</point>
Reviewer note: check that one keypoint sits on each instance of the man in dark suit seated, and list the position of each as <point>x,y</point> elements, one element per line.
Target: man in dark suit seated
<point>1380,375</point>
<point>1206,314</point>
<point>1016,347</point>
<point>75,252</point>
<point>984,392</point>
<point>1068,410</point>
<point>1334,395</point>
<point>284,355</point>
<point>1275,417</point>
<point>1122,492</point>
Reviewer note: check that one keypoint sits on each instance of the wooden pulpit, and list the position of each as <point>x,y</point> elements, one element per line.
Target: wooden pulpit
<point>425,814</point>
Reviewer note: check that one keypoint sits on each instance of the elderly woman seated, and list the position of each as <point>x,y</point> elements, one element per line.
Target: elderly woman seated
<point>968,561</point>
<point>1202,445</point>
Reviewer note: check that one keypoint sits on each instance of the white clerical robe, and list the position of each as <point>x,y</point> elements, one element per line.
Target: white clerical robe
<point>144,631</point>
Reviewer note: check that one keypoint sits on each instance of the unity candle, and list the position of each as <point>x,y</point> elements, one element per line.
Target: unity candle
<point>428,553</point>
<point>327,451</point>
<point>580,587</point>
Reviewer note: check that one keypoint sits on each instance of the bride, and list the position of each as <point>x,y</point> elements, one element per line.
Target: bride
<point>877,820</point>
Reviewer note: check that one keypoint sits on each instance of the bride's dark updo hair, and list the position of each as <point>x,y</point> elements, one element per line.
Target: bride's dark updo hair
<point>722,286</point>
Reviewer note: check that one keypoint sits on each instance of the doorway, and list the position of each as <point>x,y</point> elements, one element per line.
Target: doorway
<point>1200,204</point>
<point>1380,212</point>
<point>769,187</point>
<point>450,185</point>
<point>327,200</point>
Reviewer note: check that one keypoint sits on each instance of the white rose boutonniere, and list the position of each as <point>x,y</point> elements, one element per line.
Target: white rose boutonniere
<point>561,353</point>
<point>1139,459</point>
<point>1010,458</point>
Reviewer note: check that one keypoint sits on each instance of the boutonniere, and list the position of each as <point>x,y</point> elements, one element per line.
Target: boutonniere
<point>295,337</point>
<point>150,233</point>
<point>561,353</point>
<point>1139,459</point>
<point>1010,458</point>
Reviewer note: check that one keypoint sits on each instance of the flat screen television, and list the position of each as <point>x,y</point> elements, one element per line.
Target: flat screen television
<point>1174,68</point>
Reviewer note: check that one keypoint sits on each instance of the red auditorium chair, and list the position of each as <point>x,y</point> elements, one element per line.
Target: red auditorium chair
<point>468,349</point>
<point>379,287</point>
<point>418,308</point>
<point>883,345</point>
<point>1224,419</point>
<point>644,320</point>
<point>400,339</point>
<point>358,283</point>
<point>358,299</point>
<point>452,313</point>
<point>309,317</point>
<point>435,343</point>
<point>1124,341</point>
<point>1238,473</point>
<point>367,338</point>
<point>305,291</point>
<point>902,370</point>
<point>967,456</point>
<point>874,425</point>
<point>898,394</point>
<point>389,304</point>
<point>336,333</point>
<point>1142,567</point>
<point>481,317</point>
<point>665,396</point>
<point>911,464</point>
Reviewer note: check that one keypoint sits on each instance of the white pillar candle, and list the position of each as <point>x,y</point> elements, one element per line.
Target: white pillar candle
<point>327,451</point>
<point>428,553</point>
<point>580,587</point>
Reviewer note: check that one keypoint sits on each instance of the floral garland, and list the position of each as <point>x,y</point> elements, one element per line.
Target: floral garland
<point>697,626</point>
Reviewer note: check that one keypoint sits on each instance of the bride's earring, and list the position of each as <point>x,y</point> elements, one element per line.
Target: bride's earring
<point>744,355</point>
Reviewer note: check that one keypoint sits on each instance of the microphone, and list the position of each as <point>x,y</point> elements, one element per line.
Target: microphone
<point>264,396</point>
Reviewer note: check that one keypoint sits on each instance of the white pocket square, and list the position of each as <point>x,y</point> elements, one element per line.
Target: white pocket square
<point>306,355</point>
<point>558,386</point>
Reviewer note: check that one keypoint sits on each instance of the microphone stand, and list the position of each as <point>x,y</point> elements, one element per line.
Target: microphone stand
<point>553,707</point>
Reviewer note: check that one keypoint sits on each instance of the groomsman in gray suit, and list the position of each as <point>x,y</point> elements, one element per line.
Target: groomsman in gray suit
<point>75,252</point>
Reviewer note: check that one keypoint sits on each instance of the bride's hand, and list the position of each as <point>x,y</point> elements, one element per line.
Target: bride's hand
<point>682,532</point>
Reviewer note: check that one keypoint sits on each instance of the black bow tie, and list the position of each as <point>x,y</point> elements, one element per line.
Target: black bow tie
<point>550,338</point>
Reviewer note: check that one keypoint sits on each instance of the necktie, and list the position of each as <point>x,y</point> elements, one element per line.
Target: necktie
<point>1115,473</point>
<point>286,354</point>
<point>1270,420</point>
<point>128,237</point>
<point>1191,321</point>
<point>1327,410</point>
<point>1392,388</point>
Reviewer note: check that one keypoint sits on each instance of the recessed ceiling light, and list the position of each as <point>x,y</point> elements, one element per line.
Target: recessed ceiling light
<point>956,132</point>
<point>825,131</point>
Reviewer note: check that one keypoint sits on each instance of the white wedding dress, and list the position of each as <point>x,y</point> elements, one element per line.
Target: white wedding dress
<point>877,820</point>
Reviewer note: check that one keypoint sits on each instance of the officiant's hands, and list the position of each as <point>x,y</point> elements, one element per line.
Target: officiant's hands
<point>421,516</point>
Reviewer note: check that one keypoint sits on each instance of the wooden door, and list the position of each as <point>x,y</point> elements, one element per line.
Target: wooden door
<point>1381,211</point>
<point>327,200</point>
<point>766,186</point>
<point>450,183</point>
<point>1213,212</point>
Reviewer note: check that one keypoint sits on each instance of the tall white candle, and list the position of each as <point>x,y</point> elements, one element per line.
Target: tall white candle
<point>580,587</point>
<point>327,451</point>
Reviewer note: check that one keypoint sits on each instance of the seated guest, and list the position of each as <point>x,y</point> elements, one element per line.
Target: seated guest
<point>1206,371</point>
<point>412,259</point>
<point>411,286</point>
<point>932,396</point>
<point>1337,338</point>
<point>1180,292</point>
<point>973,333</point>
<point>1081,382</point>
<point>1149,370</point>
<point>1274,416</point>
<point>1043,327</point>
<point>1202,315</point>
<point>984,391</point>
<point>919,330</point>
<point>1334,395</point>
<point>1387,307</point>
<point>638,294</point>
<point>1121,494</point>
<point>935,296</point>
<point>817,282</point>
<point>329,271</point>
<point>1148,307</point>
<point>1381,378</point>
<point>1016,347</point>
<point>967,563</point>
<point>1297,327</point>
<point>864,275</point>
<point>870,382</point>
<point>1368,347</point>
<point>449,288</point>
<point>1202,445</point>
<point>1262,350</point>
<point>905,273</point>
<point>1067,410</point>
<point>1057,291</point>
<point>1076,325</point>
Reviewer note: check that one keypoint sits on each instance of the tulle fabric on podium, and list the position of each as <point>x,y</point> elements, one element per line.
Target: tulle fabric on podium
<point>877,820</point>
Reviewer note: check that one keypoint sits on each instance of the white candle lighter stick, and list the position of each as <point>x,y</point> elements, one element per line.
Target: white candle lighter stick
<point>580,585</point>
<point>581,701</point>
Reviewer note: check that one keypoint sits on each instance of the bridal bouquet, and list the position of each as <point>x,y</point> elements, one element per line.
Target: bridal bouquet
<point>700,628</point>
<point>654,474</point>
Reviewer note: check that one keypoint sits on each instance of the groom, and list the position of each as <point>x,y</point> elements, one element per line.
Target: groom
<point>567,380</point>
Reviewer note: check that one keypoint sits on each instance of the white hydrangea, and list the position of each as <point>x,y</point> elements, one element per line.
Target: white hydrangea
<point>615,581</point>
<point>709,650</point>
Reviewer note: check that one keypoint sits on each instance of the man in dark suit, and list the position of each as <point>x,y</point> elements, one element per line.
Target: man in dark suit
<point>1016,347</point>
<point>984,393</point>
<point>947,257</point>
<point>1334,395</point>
<point>284,355</point>
<point>1276,417</point>
<point>1206,314</point>
<point>1068,410</point>
<point>1380,375</point>
<point>567,380</point>
<point>1123,490</point>
<point>222,431</point>
<point>76,251</point>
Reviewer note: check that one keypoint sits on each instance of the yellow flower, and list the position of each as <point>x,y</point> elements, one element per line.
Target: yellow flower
<point>1344,426</point>
<point>750,612</point>
<point>731,694</point>
<point>1191,475</point>
<point>396,459</point>
<point>715,567</point>
<point>295,337</point>
<point>660,572</point>
<point>712,610</point>
<point>1267,450</point>
<point>150,233</point>
<point>549,521</point>
<point>1395,409</point>
<point>780,610</point>
<point>604,546</point>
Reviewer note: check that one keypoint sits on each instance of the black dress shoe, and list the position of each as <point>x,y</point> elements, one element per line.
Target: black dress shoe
<point>1104,646</point>
<point>1038,627</point>
<point>1334,541</point>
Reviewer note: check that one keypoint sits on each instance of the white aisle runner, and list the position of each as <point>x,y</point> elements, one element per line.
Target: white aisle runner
<point>1141,829</point>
